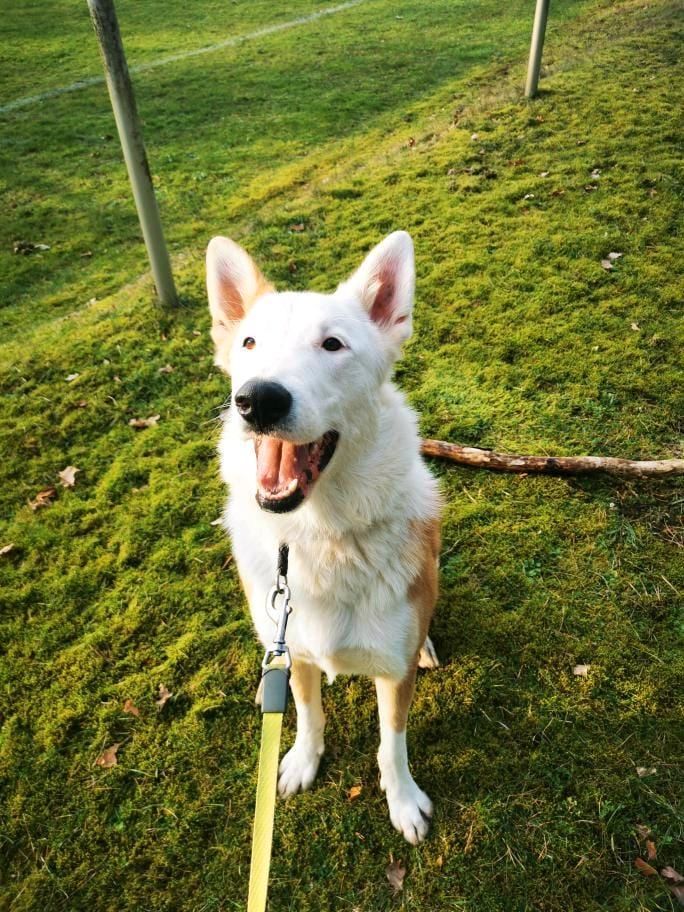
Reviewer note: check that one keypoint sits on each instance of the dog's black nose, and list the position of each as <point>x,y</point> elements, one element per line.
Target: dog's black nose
<point>263,403</point>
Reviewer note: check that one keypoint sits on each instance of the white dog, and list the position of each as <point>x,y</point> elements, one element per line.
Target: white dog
<point>321,451</point>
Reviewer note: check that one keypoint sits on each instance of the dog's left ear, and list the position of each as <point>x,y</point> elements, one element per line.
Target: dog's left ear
<point>385,282</point>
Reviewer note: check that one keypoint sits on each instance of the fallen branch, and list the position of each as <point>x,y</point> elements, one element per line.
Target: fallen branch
<point>550,465</point>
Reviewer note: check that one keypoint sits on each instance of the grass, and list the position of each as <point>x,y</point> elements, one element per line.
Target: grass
<point>350,128</point>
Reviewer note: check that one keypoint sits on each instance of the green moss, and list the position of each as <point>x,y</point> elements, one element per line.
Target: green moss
<point>522,341</point>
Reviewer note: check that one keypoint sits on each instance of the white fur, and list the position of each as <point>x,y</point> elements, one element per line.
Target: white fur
<point>351,554</point>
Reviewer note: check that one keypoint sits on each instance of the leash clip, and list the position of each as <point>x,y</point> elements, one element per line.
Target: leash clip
<point>279,615</point>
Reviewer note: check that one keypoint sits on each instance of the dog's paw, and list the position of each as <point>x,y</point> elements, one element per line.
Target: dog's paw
<point>298,769</point>
<point>427,657</point>
<point>410,811</point>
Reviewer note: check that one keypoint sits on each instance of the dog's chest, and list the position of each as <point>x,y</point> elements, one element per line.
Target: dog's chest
<point>350,610</point>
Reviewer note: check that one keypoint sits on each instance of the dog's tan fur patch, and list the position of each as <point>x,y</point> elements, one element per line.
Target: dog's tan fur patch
<point>423,590</point>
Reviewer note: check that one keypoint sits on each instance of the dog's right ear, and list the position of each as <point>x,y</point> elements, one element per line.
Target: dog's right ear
<point>234,282</point>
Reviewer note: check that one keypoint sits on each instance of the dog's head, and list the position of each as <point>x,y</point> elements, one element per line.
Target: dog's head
<point>306,368</point>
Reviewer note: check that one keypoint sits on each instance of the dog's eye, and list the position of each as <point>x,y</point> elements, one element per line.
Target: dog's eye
<point>249,343</point>
<point>331,344</point>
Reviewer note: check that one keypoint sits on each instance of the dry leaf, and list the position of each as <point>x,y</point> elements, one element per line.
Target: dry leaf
<point>677,891</point>
<point>644,868</point>
<point>70,377</point>
<point>396,873</point>
<point>167,369</point>
<point>42,499</point>
<point>475,137</point>
<point>635,327</point>
<point>130,707</point>
<point>558,192</point>
<point>107,758</point>
<point>596,173</point>
<point>196,332</point>
<point>139,423</point>
<point>650,850</point>
<point>671,876</point>
<point>646,771</point>
<point>6,549</point>
<point>528,196</point>
<point>544,174</point>
<point>590,187</point>
<point>68,476</point>
<point>82,403</point>
<point>614,256</point>
<point>675,883</point>
<point>411,142</point>
<point>216,522</point>
<point>164,697</point>
<point>298,227</point>
<point>643,832</point>
<point>581,671</point>
<point>354,792</point>
<point>607,265</point>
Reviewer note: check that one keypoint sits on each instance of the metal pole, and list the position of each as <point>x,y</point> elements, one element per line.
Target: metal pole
<point>106,27</point>
<point>538,31</point>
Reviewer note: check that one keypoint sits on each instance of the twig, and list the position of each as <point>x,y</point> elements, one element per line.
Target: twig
<point>550,465</point>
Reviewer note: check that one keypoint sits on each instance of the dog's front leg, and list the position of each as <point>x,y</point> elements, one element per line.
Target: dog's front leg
<point>409,807</point>
<point>299,766</point>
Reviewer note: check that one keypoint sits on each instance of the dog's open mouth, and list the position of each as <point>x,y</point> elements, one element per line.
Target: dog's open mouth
<point>287,471</point>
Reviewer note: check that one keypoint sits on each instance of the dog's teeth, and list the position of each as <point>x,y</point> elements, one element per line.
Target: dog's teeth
<point>291,487</point>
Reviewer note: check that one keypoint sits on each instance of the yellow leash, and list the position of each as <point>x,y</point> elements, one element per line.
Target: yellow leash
<point>275,679</point>
<point>264,811</point>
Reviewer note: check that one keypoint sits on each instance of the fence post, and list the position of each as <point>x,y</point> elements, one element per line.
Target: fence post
<point>106,27</point>
<point>538,32</point>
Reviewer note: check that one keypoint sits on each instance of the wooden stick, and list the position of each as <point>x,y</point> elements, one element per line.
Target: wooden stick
<point>550,465</point>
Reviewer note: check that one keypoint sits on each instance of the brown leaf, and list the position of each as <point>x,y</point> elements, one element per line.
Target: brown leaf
<point>411,142</point>
<point>614,256</point>
<point>354,792</point>
<point>68,476</point>
<point>581,671</point>
<point>6,549</point>
<point>650,850</point>
<point>130,707</point>
<point>139,423</point>
<point>396,872</point>
<point>643,832</point>
<point>590,187</point>
<point>107,758</point>
<point>558,192</point>
<point>164,697</point>
<point>299,226</point>
<point>82,403</point>
<point>607,265</point>
<point>167,369</point>
<point>644,868</point>
<point>42,499</point>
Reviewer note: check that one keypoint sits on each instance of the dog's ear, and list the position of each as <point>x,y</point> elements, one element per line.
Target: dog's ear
<point>234,282</point>
<point>384,283</point>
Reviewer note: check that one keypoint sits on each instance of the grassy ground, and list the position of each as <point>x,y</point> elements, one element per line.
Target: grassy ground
<point>349,128</point>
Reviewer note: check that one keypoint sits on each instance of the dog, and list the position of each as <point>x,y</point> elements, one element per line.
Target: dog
<point>320,450</point>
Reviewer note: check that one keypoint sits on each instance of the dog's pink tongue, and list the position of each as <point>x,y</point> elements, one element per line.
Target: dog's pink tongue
<point>276,463</point>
